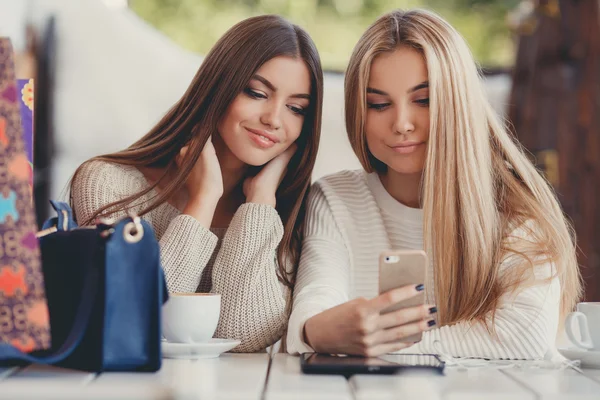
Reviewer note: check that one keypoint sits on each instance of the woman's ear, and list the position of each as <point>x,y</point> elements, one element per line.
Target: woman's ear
<point>179,157</point>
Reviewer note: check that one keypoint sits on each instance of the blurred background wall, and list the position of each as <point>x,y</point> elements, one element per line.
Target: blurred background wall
<point>107,70</point>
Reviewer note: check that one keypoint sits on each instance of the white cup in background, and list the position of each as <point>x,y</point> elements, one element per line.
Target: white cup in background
<point>190,317</point>
<point>587,317</point>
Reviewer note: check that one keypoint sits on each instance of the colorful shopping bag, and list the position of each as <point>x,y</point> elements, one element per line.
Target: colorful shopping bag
<point>25,89</point>
<point>24,321</point>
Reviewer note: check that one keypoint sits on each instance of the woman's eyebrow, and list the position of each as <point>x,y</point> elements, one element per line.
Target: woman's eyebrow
<point>422,85</point>
<point>272,87</point>
<point>376,91</point>
<point>265,82</point>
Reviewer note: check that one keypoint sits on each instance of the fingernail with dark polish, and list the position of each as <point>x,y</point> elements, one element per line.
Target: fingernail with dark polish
<point>430,323</point>
<point>420,287</point>
<point>432,310</point>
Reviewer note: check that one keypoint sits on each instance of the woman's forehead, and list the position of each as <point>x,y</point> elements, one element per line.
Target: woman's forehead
<point>286,74</point>
<point>398,70</point>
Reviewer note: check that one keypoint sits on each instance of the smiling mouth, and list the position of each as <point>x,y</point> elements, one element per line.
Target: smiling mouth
<point>406,149</point>
<point>261,140</point>
<point>263,137</point>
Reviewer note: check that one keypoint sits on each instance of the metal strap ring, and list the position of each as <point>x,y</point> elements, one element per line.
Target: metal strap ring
<point>133,231</point>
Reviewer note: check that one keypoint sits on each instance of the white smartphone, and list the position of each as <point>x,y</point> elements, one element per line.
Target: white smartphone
<point>399,268</point>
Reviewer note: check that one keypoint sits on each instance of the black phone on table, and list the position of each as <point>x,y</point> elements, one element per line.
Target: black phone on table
<point>388,364</point>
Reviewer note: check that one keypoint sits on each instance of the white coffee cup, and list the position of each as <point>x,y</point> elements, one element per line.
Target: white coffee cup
<point>190,317</point>
<point>587,317</point>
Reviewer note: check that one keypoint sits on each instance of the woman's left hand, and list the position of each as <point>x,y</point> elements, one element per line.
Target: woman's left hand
<point>262,187</point>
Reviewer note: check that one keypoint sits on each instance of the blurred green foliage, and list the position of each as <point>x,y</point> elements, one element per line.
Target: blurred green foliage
<point>335,25</point>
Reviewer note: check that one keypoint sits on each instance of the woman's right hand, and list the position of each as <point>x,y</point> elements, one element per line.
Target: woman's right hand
<point>205,179</point>
<point>358,328</point>
<point>204,184</point>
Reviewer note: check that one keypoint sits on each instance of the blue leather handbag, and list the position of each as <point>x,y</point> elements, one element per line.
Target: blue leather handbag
<point>105,289</point>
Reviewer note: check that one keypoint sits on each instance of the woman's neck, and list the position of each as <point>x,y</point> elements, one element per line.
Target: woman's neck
<point>233,172</point>
<point>405,188</point>
<point>233,169</point>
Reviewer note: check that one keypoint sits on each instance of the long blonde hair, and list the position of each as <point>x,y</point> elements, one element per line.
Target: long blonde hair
<point>478,184</point>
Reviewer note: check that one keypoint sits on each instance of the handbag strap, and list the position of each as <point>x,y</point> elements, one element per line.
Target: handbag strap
<point>89,292</point>
<point>64,220</point>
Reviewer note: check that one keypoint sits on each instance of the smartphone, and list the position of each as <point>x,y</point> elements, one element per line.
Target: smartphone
<point>399,268</point>
<point>388,364</point>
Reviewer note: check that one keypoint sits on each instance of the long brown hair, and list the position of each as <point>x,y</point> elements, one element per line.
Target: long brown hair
<point>223,74</point>
<point>478,184</point>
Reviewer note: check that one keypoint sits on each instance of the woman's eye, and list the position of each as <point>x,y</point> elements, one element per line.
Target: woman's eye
<point>377,106</point>
<point>297,110</point>
<point>423,102</point>
<point>254,94</point>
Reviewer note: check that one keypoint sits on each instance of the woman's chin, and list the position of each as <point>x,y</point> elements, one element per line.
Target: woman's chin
<point>405,168</point>
<point>254,158</point>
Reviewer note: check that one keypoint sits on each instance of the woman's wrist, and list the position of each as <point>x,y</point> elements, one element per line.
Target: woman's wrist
<point>308,334</point>
<point>262,199</point>
<point>202,208</point>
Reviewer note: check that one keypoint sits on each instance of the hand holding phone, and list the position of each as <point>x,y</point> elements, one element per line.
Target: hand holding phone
<point>359,328</point>
<point>398,268</point>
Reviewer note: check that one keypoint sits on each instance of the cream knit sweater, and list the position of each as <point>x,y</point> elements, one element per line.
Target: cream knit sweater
<point>350,219</point>
<point>239,262</point>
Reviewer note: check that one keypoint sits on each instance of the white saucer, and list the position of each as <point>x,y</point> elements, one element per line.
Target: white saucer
<point>193,351</point>
<point>589,358</point>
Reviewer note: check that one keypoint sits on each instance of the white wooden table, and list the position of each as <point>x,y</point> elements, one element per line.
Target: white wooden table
<point>244,376</point>
<point>231,376</point>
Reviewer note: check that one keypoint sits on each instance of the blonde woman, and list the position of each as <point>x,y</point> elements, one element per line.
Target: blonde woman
<point>441,174</point>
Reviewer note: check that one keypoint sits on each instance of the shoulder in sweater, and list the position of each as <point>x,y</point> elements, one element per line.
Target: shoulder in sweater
<point>99,183</point>
<point>343,185</point>
<point>344,202</point>
<point>343,178</point>
<point>101,176</point>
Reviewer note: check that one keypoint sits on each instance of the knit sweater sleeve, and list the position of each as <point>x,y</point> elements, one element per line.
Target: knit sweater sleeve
<point>525,322</point>
<point>253,301</point>
<point>323,279</point>
<point>185,247</point>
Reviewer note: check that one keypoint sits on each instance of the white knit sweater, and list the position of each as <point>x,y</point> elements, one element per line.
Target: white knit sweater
<point>351,218</point>
<point>239,262</point>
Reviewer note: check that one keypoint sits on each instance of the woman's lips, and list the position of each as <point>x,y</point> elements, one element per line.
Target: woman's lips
<point>261,138</point>
<point>406,148</point>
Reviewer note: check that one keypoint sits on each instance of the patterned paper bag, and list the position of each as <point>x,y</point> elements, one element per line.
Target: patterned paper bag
<point>23,309</point>
<point>25,94</point>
